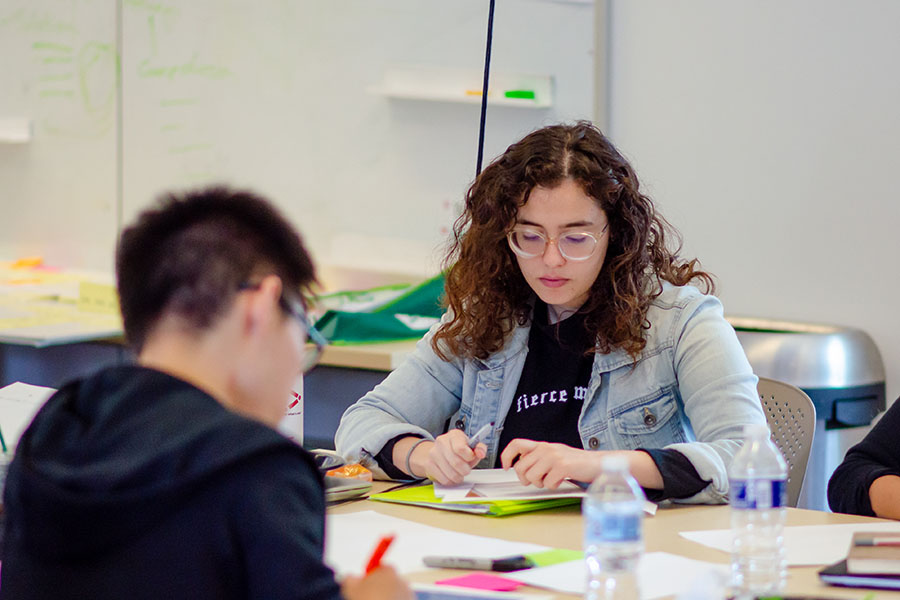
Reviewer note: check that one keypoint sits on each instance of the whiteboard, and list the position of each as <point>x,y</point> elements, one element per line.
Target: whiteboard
<point>58,192</point>
<point>275,95</point>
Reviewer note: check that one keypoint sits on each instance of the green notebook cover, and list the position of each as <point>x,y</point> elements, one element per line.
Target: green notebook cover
<point>423,495</point>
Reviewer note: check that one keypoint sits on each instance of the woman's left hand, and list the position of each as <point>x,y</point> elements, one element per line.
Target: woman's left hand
<point>546,464</point>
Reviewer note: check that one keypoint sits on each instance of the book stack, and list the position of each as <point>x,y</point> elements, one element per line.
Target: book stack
<point>873,561</point>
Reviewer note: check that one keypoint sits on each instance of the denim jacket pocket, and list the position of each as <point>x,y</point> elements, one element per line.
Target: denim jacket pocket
<point>649,422</point>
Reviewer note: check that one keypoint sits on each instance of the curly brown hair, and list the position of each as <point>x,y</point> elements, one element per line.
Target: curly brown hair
<point>485,290</point>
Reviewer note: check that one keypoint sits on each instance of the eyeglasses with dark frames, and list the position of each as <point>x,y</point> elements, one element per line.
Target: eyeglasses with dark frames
<point>297,310</point>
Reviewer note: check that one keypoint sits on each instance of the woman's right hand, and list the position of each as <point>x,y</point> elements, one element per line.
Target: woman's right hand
<point>381,584</point>
<point>446,460</point>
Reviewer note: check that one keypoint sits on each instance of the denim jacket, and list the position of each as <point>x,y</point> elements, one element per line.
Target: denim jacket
<point>691,390</point>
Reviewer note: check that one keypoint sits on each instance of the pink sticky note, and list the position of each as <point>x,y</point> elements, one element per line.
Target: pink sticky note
<point>482,581</point>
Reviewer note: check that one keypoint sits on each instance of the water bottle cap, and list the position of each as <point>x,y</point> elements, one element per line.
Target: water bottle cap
<point>615,462</point>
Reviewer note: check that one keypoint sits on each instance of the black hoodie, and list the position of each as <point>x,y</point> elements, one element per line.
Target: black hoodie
<point>134,484</point>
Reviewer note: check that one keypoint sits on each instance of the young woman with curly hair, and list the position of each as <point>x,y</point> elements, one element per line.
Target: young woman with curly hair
<point>574,330</point>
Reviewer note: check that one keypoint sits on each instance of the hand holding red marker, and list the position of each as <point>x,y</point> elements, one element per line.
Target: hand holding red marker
<point>375,560</point>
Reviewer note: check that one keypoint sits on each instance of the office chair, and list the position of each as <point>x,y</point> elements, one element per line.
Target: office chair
<point>792,419</point>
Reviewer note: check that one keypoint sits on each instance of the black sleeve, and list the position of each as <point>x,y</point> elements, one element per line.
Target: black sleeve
<point>279,522</point>
<point>878,454</point>
<point>385,458</point>
<point>680,478</point>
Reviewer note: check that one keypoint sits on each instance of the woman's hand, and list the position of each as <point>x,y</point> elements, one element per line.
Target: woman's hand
<point>447,460</point>
<point>547,465</point>
<point>381,584</point>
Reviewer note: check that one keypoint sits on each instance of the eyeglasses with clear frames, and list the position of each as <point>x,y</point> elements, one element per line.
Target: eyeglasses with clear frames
<point>529,242</point>
<point>297,311</point>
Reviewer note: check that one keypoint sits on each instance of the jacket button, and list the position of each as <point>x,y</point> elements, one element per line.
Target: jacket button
<point>593,443</point>
<point>649,418</point>
<point>460,424</point>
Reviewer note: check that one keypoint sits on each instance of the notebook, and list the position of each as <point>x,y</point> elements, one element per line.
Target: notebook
<point>837,574</point>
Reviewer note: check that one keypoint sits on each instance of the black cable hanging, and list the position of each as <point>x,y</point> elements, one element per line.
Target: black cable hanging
<point>484,87</point>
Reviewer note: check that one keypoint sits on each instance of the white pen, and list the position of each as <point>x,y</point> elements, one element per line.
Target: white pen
<point>480,435</point>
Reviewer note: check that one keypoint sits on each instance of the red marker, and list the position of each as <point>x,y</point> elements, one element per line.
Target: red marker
<point>380,549</point>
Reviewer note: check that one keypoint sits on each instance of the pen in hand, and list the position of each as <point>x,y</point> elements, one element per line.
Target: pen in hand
<point>375,560</point>
<point>480,435</point>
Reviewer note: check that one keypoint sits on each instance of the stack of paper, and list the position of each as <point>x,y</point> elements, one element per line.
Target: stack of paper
<point>424,495</point>
<point>18,404</point>
<point>492,492</point>
<point>496,484</point>
<point>41,306</point>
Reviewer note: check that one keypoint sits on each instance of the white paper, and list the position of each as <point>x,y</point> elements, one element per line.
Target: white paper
<point>497,484</point>
<point>18,404</point>
<point>350,539</point>
<point>659,574</point>
<point>804,544</point>
<point>449,592</point>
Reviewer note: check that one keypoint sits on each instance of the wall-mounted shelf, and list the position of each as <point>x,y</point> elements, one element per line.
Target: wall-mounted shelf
<point>15,130</point>
<point>437,84</point>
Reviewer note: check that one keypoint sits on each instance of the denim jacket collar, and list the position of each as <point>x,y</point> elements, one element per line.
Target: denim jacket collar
<point>517,343</point>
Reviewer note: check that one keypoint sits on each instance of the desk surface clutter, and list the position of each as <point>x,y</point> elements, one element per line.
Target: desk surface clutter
<point>44,306</point>
<point>673,560</point>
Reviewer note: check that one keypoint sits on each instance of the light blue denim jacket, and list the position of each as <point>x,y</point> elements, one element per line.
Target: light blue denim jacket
<point>692,377</point>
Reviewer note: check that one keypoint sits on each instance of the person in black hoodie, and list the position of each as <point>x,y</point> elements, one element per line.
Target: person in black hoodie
<point>166,479</point>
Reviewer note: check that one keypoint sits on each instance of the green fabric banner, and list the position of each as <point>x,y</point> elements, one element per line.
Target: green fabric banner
<point>406,316</point>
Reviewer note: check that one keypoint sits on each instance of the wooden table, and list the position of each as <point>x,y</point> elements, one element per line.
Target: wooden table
<point>562,528</point>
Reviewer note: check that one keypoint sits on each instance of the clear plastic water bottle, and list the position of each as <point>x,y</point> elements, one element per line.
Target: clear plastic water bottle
<point>613,532</point>
<point>758,481</point>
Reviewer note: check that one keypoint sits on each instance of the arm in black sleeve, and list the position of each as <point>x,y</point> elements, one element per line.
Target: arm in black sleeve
<point>385,458</point>
<point>279,524</point>
<point>878,454</point>
<point>680,478</point>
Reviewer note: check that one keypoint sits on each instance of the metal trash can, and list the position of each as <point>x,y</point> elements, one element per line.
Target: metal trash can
<point>841,370</point>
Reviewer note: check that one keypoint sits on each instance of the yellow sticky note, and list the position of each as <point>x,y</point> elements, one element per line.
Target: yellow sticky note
<point>27,262</point>
<point>98,298</point>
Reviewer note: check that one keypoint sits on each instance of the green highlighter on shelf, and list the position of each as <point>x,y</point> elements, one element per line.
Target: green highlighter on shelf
<point>520,94</point>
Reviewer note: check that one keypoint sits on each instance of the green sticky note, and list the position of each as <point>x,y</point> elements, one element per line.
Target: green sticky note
<point>523,94</point>
<point>546,558</point>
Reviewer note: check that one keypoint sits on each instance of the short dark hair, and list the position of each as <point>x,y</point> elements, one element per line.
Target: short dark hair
<point>189,254</point>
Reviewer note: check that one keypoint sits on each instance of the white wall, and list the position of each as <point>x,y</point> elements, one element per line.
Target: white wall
<point>768,132</point>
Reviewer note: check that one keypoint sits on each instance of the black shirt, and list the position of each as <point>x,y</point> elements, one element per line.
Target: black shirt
<point>878,454</point>
<point>553,384</point>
